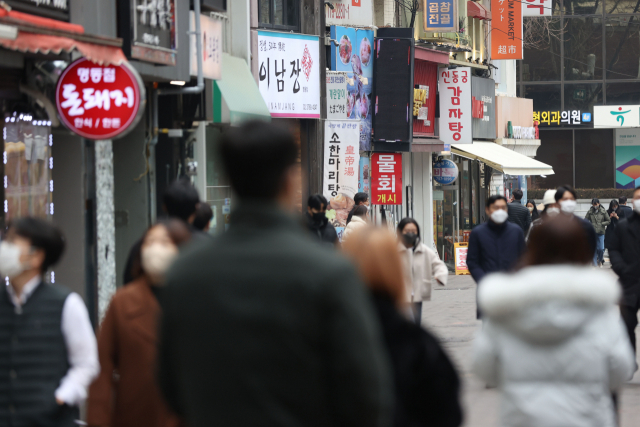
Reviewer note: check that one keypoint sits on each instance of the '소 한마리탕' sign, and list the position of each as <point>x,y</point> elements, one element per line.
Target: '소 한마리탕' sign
<point>386,179</point>
<point>99,102</point>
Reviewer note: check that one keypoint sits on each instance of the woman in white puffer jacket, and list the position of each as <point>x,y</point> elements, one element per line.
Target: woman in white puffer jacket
<point>552,338</point>
<point>358,220</point>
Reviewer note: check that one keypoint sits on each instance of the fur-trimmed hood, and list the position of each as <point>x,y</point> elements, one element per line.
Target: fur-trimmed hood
<point>547,303</point>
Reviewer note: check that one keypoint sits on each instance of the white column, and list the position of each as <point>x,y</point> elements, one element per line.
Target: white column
<point>105,225</point>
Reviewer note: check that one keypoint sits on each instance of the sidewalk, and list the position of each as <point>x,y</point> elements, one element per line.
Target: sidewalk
<point>451,315</point>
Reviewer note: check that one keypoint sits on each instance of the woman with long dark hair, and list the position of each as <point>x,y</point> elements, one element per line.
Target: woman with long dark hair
<point>613,210</point>
<point>533,209</point>
<point>552,339</point>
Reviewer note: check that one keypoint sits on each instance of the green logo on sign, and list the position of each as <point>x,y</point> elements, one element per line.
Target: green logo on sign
<point>619,113</point>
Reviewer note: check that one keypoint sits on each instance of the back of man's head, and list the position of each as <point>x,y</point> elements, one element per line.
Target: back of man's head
<point>42,235</point>
<point>360,198</point>
<point>181,199</point>
<point>622,200</point>
<point>203,217</point>
<point>517,194</point>
<point>256,157</point>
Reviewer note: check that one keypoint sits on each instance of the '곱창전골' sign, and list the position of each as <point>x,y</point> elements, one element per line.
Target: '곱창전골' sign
<point>99,102</point>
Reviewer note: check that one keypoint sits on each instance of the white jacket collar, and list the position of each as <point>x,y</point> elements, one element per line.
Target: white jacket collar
<point>358,219</point>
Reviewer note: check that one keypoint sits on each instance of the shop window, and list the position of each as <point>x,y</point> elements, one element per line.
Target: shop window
<point>583,7</point>
<point>623,93</point>
<point>594,158</point>
<point>582,96</point>
<point>622,6</point>
<point>542,60</point>
<point>279,14</point>
<point>583,48</point>
<point>556,149</point>
<point>623,49</point>
<point>545,97</point>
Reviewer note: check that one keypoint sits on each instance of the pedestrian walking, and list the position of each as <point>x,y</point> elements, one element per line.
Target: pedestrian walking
<point>550,209</point>
<point>359,220</point>
<point>624,253</point>
<point>360,199</point>
<point>518,213</point>
<point>422,266</point>
<point>426,384</point>
<point>127,340</point>
<point>599,219</point>
<point>552,340</point>
<point>625,210</point>
<point>495,245</point>
<point>48,350</point>
<point>566,199</point>
<point>261,328</point>
<point>613,210</point>
<point>317,221</point>
<point>204,215</point>
<point>533,210</point>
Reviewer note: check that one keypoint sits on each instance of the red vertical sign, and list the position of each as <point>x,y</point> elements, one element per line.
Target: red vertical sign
<point>386,178</point>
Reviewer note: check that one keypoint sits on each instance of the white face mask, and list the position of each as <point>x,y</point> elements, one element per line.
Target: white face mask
<point>156,260</point>
<point>10,265</point>
<point>530,209</point>
<point>636,206</point>
<point>499,216</point>
<point>568,206</point>
<point>553,211</point>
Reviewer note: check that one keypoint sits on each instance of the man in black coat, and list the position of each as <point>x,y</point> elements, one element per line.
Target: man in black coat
<point>262,328</point>
<point>518,213</point>
<point>624,253</point>
<point>495,245</point>
<point>317,221</point>
<point>624,211</point>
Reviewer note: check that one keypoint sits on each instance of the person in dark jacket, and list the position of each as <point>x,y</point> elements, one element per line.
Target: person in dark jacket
<point>613,210</point>
<point>261,328</point>
<point>495,245</point>
<point>426,383</point>
<point>317,221</point>
<point>624,211</point>
<point>599,219</point>
<point>203,217</point>
<point>533,210</point>
<point>359,199</point>
<point>518,213</point>
<point>624,252</point>
<point>566,198</point>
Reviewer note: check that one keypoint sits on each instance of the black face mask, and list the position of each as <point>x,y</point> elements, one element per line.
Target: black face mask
<point>410,239</point>
<point>319,218</point>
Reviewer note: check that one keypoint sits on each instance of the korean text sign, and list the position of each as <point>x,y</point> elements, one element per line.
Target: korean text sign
<point>337,95</point>
<point>537,7</point>
<point>99,102</point>
<point>211,47</point>
<point>455,105</point>
<point>506,31</point>
<point>440,15</point>
<point>386,179</point>
<point>289,74</point>
<point>561,118</point>
<point>350,12</point>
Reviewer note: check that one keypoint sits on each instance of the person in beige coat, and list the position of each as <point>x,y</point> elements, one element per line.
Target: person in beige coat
<point>358,220</point>
<point>422,266</point>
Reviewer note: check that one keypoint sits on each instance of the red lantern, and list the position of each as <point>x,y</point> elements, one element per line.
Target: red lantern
<point>100,101</point>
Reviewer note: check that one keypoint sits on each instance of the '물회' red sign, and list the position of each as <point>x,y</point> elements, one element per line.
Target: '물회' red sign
<point>99,102</point>
<point>386,179</point>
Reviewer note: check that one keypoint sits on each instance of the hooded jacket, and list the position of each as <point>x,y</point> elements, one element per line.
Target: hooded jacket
<point>599,218</point>
<point>554,343</point>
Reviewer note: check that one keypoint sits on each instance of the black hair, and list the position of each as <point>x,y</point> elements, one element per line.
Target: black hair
<point>534,214</point>
<point>406,221</point>
<point>256,156</point>
<point>563,189</point>
<point>181,199</point>
<point>622,200</point>
<point>360,198</point>
<point>491,200</point>
<point>359,211</point>
<point>613,203</point>
<point>42,235</point>
<point>178,233</point>
<point>316,201</point>
<point>517,194</point>
<point>595,200</point>
<point>203,216</point>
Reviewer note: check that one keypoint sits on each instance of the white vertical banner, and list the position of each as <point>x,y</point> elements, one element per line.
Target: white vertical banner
<point>341,163</point>
<point>337,95</point>
<point>455,105</point>
<point>211,39</point>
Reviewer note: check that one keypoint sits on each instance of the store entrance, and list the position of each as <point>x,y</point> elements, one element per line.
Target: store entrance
<point>447,223</point>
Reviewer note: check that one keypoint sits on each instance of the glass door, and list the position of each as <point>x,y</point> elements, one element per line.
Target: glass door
<point>447,224</point>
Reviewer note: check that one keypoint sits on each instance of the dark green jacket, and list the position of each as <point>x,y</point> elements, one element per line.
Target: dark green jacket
<point>599,219</point>
<point>263,327</point>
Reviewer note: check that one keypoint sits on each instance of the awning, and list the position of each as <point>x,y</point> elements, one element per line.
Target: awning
<point>427,145</point>
<point>431,55</point>
<point>502,159</point>
<point>236,96</point>
<point>477,11</point>
<point>44,35</point>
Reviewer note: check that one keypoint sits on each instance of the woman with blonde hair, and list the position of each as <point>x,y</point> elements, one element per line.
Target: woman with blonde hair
<point>427,385</point>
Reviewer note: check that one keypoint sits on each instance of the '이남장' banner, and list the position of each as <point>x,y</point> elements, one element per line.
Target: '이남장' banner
<point>506,31</point>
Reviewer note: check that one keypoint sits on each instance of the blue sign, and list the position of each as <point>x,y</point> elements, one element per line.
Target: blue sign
<point>586,117</point>
<point>445,172</point>
<point>440,15</point>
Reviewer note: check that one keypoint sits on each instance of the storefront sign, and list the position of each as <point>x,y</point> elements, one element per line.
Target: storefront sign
<point>99,102</point>
<point>520,132</point>
<point>440,16</point>
<point>559,118</point>
<point>455,105</point>
<point>506,34</point>
<point>154,31</point>
<point>537,8</point>
<point>337,95</point>
<point>289,73</point>
<point>211,40</point>
<point>349,12</point>
<point>365,174</point>
<point>445,172</point>
<point>461,250</point>
<point>627,137</point>
<point>55,9</point>
<point>616,116</point>
<point>483,93</point>
<point>352,53</point>
<point>341,162</point>
<point>386,179</point>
